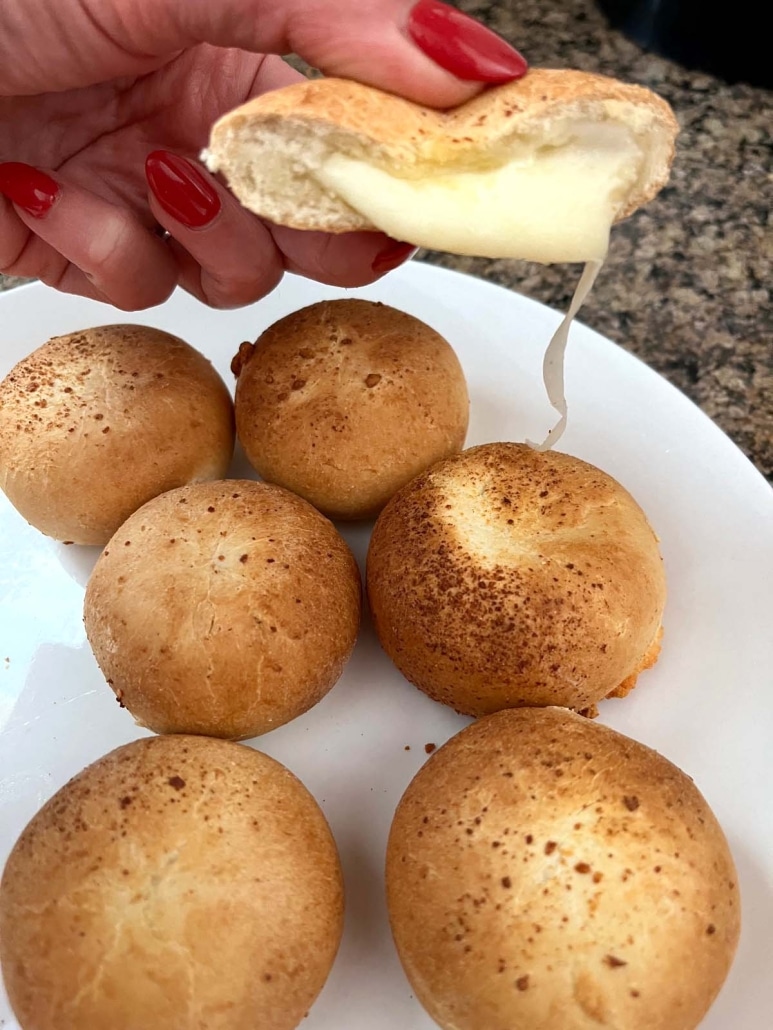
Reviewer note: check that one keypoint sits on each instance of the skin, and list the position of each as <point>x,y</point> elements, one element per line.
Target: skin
<point>88,88</point>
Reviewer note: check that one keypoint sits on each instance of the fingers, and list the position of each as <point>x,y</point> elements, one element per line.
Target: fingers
<point>349,260</point>
<point>226,256</point>
<point>422,49</point>
<point>78,242</point>
<point>222,254</point>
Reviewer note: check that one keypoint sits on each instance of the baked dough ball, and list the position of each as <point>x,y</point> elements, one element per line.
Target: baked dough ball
<point>95,423</point>
<point>223,608</point>
<point>507,576</point>
<point>178,882</point>
<point>345,401</point>
<point>545,871</point>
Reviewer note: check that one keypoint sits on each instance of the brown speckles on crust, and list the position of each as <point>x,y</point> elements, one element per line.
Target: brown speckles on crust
<point>107,427</point>
<point>262,610</point>
<point>147,877</point>
<point>381,397</point>
<point>522,983</point>
<point>483,615</point>
<point>558,909</point>
<point>614,962</point>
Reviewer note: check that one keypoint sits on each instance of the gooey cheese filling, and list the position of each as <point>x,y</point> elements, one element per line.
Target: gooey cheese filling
<point>548,204</point>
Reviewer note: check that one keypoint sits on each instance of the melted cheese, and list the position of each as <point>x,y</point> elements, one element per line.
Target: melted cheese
<point>548,204</point>
<point>553,362</point>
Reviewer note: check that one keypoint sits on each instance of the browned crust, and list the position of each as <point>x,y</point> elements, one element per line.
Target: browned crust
<point>224,609</point>
<point>647,662</point>
<point>95,423</point>
<point>545,871</point>
<point>507,577</point>
<point>168,862</point>
<point>345,401</point>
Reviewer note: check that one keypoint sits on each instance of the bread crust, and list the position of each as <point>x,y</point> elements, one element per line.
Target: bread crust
<point>95,423</point>
<point>547,873</point>
<point>410,140</point>
<point>345,401</point>
<point>224,609</point>
<point>177,882</point>
<point>507,577</point>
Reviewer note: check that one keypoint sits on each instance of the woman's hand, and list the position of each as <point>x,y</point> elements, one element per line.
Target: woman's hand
<point>106,104</point>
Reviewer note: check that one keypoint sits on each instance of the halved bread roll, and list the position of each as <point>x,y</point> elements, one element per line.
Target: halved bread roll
<point>537,169</point>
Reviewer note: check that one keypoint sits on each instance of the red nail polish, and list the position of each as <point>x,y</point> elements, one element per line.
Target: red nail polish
<point>391,256</point>
<point>463,46</point>
<point>181,189</point>
<point>29,188</point>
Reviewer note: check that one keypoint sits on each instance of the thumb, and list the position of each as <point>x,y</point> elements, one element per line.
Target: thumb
<point>424,50</point>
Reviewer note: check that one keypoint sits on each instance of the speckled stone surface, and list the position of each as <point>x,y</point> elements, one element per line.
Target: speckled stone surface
<point>687,283</point>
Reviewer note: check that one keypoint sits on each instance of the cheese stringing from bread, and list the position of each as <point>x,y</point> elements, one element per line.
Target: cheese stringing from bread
<point>554,203</point>
<point>538,169</point>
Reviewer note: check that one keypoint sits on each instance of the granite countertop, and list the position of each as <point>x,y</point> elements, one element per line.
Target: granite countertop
<point>687,283</point>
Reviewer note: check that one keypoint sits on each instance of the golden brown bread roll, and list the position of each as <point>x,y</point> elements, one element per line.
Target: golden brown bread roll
<point>506,576</point>
<point>545,871</point>
<point>95,423</point>
<point>536,169</point>
<point>178,882</point>
<point>223,608</point>
<point>345,401</point>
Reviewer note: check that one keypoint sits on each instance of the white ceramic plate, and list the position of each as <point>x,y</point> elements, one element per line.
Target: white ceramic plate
<point>708,704</point>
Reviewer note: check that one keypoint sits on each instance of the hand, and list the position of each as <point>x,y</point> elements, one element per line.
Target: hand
<point>92,90</point>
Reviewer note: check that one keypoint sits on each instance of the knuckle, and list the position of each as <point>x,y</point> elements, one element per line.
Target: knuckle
<point>237,291</point>
<point>143,294</point>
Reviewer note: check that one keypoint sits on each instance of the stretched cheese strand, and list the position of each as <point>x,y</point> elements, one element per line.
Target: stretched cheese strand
<point>553,363</point>
<point>549,204</point>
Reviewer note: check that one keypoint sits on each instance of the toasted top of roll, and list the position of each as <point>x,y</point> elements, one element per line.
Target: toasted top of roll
<point>177,882</point>
<point>537,169</point>
<point>544,871</point>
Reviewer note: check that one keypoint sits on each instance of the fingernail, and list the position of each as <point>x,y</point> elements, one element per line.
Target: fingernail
<point>29,188</point>
<point>181,189</point>
<point>392,256</point>
<point>463,46</point>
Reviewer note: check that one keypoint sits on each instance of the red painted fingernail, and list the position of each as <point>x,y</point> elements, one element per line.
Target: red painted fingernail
<point>31,189</point>
<point>463,46</point>
<point>392,256</point>
<point>181,189</point>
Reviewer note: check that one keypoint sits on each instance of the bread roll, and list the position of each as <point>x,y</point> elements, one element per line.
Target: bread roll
<point>345,401</point>
<point>536,169</point>
<point>224,609</point>
<point>506,577</point>
<point>178,882</point>
<point>546,872</point>
<point>95,423</point>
